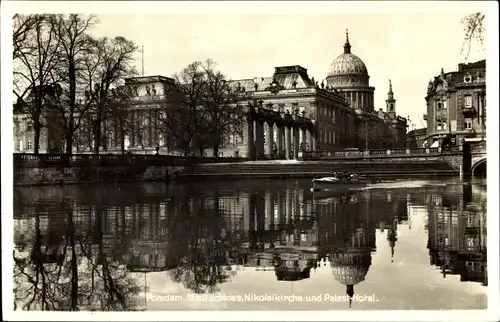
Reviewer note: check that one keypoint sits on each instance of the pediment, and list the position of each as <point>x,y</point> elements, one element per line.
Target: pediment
<point>439,86</point>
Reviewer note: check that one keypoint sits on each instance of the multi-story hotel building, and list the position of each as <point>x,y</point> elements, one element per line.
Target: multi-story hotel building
<point>456,105</point>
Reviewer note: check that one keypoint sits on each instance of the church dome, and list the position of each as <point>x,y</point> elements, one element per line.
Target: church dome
<point>347,64</point>
<point>350,268</point>
<point>347,69</point>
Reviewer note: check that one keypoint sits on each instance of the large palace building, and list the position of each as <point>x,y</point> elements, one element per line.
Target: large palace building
<point>456,105</point>
<point>287,113</point>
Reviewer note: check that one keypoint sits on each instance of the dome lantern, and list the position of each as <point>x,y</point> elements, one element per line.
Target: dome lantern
<point>347,45</point>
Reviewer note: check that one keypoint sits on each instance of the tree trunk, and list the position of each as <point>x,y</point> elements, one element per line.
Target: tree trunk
<point>216,150</point>
<point>186,151</point>
<point>74,262</point>
<point>69,141</point>
<point>97,140</point>
<point>122,141</point>
<point>37,128</point>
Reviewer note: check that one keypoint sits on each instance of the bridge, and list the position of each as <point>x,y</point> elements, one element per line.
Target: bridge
<point>468,159</point>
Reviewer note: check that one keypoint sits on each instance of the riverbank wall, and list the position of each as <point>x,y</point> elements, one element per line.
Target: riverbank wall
<point>97,169</point>
<point>33,170</point>
<point>313,169</point>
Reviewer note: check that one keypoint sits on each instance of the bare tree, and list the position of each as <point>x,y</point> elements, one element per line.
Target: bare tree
<point>119,105</point>
<point>474,30</point>
<point>109,62</point>
<point>36,55</point>
<point>222,112</point>
<point>180,116</point>
<point>75,98</point>
<point>23,25</point>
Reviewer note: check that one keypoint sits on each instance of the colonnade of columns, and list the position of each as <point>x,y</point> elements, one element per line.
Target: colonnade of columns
<point>266,139</point>
<point>270,212</point>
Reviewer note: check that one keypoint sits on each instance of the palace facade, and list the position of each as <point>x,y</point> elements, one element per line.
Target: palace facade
<point>456,105</point>
<point>287,113</point>
<point>318,117</point>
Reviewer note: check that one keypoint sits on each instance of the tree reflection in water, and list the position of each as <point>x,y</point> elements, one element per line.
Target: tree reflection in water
<point>57,269</point>
<point>205,262</point>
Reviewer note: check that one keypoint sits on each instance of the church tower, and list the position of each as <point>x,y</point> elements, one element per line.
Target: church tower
<point>390,103</point>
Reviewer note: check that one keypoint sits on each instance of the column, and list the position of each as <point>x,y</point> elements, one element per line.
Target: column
<point>250,140</point>
<point>296,142</point>
<point>273,207</point>
<point>288,142</point>
<point>281,197</point>
<point>252,203</point>
<point>150,128</point>
<point>259,139</point>
<point>269,210</point>
<point>279,140</point>
<point>288,204</point>
<point>304,140</point>
<point>313,141</point>
<point>270,139</point>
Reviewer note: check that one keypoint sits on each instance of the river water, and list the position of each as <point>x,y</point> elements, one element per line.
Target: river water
<point>251,245</point>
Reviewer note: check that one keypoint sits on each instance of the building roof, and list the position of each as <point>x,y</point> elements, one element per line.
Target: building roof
<point>285,76</point>
<point>474,65</point>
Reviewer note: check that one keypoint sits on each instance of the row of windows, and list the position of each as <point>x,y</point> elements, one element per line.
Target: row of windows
<point>442,126</point>
<point>330,137</point>
<point>467,102</point>
<point>329,112</point>
<point>441,105</point>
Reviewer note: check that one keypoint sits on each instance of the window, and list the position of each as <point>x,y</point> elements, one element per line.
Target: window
<point>468,101</point>
<point>470,243</point>
<point>29,145</point>
<point>62,145</point>
<point>439,105</point>
<point>468,124</point>
<point>440,125</point>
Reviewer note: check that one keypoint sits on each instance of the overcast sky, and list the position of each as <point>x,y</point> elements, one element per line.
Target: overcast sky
<point>407,48</point>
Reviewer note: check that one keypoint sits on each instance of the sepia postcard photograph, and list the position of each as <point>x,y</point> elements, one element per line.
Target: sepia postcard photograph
<point>249,160</point>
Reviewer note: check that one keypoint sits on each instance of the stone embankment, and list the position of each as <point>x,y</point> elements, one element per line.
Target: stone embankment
<point>311,169</point>
<point>62,170</point>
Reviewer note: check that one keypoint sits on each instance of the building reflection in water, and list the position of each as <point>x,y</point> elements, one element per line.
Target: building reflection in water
<point>88,249</point>
<point>282,232</point>
<point>347,232</point>
<point>457,235</point>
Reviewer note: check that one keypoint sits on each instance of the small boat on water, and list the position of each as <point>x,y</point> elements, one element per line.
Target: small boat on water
<point>338,181</point>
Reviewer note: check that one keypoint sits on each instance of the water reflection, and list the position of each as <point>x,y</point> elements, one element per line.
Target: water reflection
<point>457,235</point>
<point>92,248</point>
